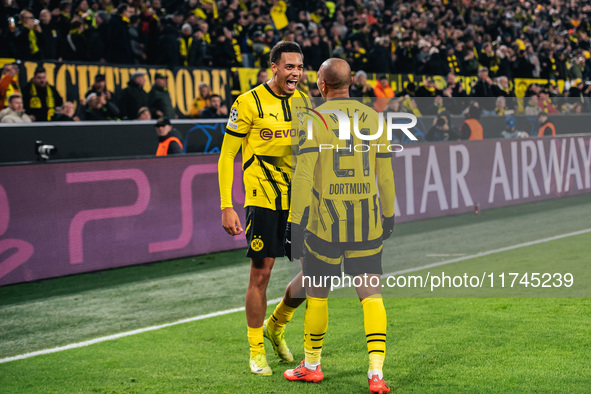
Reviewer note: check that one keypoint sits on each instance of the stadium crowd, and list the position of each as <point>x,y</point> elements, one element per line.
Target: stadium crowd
<point>496,41</point>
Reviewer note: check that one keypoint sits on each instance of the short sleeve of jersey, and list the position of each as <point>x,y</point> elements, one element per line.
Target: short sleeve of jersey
<point>240,117</point>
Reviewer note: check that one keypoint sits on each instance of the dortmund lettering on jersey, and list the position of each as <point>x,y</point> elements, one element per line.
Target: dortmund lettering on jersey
<point>262,120</point>
<point>337,178</point>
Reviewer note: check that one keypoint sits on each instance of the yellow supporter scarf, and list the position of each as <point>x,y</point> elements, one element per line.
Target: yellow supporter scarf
<point>183,49</point>
<point>35,102</point>
<point>237,51</point>
<point>33,42</point>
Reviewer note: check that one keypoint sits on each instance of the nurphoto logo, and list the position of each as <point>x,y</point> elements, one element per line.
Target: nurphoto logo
<point>394,121</point>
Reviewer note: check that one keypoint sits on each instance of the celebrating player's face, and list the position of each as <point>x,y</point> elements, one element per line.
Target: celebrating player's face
<point>288,72</point>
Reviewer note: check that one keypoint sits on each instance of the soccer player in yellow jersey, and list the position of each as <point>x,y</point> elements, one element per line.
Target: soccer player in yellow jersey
<point>260,123</point>
<point>339,186</point>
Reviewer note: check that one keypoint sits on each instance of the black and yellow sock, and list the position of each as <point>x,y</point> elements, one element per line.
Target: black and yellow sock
<point>256,341</point>
<point>374,317</point>
<point>280,317</point>
<point>315,325</point>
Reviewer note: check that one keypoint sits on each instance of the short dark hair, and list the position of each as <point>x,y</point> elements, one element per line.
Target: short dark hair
<point>122,7</point>
<point>14,96</point>
<point>215,95</point>
<point>284,47</point>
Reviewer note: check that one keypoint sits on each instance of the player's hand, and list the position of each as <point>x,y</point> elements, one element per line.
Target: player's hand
<point>293,241</point>
<point>388,227</point>
<point>231,222</point>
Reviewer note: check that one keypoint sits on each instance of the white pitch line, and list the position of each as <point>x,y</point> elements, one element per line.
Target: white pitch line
<point>228,311</point>
<point>125,334</point>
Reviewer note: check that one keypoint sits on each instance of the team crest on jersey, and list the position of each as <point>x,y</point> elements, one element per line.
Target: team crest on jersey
<point>234,114</point>
<point>257,244</point>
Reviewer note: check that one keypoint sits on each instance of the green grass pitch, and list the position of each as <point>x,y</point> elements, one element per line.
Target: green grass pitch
<point>459,340</point>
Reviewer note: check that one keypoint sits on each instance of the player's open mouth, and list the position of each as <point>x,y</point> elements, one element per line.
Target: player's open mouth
<point>291,83</point>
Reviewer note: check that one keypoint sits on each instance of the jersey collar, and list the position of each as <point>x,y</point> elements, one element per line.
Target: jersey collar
<point>273,93</point>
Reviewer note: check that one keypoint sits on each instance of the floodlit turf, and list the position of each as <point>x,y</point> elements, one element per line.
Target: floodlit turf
<point>434,345</point>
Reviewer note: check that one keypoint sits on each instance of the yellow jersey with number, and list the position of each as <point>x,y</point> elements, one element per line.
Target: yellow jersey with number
<point>337,177</point>
<point>260,122</point>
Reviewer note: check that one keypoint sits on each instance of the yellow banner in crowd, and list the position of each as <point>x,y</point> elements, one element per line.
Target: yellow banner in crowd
<point>72,81</point>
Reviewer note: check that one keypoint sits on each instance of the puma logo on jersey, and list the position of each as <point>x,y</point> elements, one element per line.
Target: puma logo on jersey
<point>275,116</point>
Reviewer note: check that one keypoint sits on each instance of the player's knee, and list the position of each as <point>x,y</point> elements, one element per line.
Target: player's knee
<point>260,277</point>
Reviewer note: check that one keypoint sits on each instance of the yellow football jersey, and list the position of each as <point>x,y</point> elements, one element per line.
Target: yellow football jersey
<point>337,177</point>
<point>259,122</point>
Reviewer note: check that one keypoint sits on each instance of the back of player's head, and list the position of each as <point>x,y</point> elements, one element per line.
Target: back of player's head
<point>284,47</point>
<point>336,73</point>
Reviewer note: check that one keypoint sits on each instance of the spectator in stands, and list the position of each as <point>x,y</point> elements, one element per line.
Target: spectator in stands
<point>133,96</point>
<point>97,38</point>
<point>505,90</point>
<point>547,128</point>
<point>260,50</point>
<point>67,113</point>
<point>428,89</point>
<point>144,114</point>
<point>167,46</point>
<point>362,88</point>
<point>98,108</point>
<point>405,54</point>
<point>49,35</point>
<point>169,138</point>
<point>383,92</point>
<point>100,86</point>
<point>215,110</point>
<point>486,89</point>
<point>501,108</point>
<point>137,46</point>
<point>223,55</point>
<point>380,56</point>
<point>579,90</point>
<point>262,77</point>
<point>315,52</point>
<point>64,17</point>
<point>28,38</point>
<point>8,83</point>
<point>577,68</point>
<point>74,46</point>
<point>185,42</point>
<point>201,101</point>
<point>532,108</point>
<point>442,129</point>
<point>559,68</point>
<point>14,113</point>
<point>159,100</point>
<point>511,131</point>
<point>472,129</point>
<point>545,103</point>
<point>119,41</point>
<point>40,98</point>
<point>199,53</point>
<point>455,88</point>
